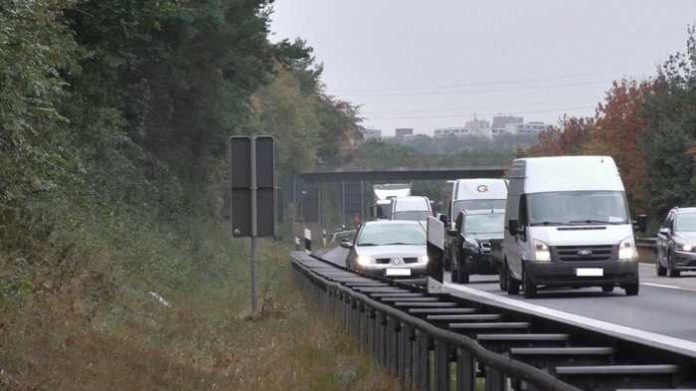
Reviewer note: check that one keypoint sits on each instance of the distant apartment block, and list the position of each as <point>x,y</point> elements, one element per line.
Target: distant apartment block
<point>532,127</point>
<point>403,132</point>
<point>371,134</point>
<point>501,121</point>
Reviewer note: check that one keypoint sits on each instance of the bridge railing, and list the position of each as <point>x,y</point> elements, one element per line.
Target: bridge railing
<point>416,351</point>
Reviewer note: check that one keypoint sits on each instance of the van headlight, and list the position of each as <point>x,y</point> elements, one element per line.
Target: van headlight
<point>423,259</point>
<point>364,260</point>
<point>627,250</point>
<point>542,253</point>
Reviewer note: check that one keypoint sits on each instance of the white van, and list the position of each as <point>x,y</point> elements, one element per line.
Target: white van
<point>414,208</point>
<point>471,194</point>
<point>567,225</point>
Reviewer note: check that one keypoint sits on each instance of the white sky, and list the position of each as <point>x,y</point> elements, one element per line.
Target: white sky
<point>428,64</point>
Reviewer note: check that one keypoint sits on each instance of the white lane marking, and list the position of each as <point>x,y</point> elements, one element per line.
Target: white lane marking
<point>679,288</point>
<point>647,337</point>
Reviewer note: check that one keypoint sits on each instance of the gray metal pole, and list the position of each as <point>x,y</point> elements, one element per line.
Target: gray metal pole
<point>343,203</point>
<point>254,223</point>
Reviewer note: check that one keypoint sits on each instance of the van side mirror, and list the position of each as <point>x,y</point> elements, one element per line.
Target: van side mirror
<point>665,231</point>
<point>512,227</point>
<point>642,223</point>
<point>347,244</point>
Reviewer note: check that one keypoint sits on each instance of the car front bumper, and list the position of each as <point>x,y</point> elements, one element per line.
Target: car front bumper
<point>564,273</point>
<point>380,270</point>
<point>684,260</point>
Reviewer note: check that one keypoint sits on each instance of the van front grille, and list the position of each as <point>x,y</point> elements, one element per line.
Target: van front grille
<point>584,253</point>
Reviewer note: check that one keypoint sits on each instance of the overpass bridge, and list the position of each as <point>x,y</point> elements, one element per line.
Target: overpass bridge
<point>349,191</point>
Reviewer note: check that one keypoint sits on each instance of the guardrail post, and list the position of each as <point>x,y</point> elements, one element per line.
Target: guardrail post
<point>495,380</point>
<point>378,337</point>
<point>466,371</point>
<point>441,365</point>
<point>355,319</point>
<point>392,354</point>
<point>405,349</point>
<point>421,364</point>
<point>364,325</point>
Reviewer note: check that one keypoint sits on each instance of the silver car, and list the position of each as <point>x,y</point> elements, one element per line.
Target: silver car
<point>389,248</point>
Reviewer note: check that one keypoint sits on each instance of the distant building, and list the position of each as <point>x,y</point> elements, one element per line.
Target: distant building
<point>501,121</point>
<point>532,127</point>
<point>403,132</point>
<point>371,134</point>
<point>450,132</point>
<point>479,127</point>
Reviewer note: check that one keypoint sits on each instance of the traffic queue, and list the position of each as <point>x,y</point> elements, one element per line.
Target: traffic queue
<point>552,223</point>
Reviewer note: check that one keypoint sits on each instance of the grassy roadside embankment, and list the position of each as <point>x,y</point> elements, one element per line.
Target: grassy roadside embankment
<point>80,316</point>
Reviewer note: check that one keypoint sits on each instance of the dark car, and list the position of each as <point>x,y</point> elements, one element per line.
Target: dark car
<point>675,249</point>
<point>474,235</point>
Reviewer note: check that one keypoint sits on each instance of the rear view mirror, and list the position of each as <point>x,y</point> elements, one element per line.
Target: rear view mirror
<point>641,223</point>
<point>512,226</point>
<point>347,244</point>
<point>665,231</point>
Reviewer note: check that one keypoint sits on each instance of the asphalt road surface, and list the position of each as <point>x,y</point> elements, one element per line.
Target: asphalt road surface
<point>665,306</point>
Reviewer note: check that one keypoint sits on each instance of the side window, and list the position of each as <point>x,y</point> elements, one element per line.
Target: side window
<point>523,217</point>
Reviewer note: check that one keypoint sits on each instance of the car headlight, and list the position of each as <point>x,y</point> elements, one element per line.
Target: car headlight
<point>627,250</point>
<point>541,251</point>
<point>685,247</point>
<point>423,259</point>
<point>364,260</point>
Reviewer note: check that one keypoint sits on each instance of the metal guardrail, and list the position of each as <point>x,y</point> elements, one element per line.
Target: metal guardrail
<point>646,242</point>
<point>415,350</point>
<point>431,341</point>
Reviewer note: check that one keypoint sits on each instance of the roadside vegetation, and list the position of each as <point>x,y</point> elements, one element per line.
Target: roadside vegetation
<point>117,269</point>
<point>649,127</point>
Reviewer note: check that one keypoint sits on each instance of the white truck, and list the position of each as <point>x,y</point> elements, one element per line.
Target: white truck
<point>568,225</point>
<point>383,196</point>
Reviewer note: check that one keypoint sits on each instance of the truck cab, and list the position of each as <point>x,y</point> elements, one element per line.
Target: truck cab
<point>567,224</point>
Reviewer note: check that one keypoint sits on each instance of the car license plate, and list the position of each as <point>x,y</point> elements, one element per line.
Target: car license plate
<point>398,272</point>
<point>589,272</point>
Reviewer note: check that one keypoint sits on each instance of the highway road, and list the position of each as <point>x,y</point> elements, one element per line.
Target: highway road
<point>665,306</point>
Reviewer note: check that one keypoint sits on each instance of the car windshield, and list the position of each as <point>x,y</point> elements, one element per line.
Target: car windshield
<point>577,207</point>
<point>392,234</point>
<point>492,223</point>
<point>412,215</point>
<point>686,222</point>
<point>460,205</point>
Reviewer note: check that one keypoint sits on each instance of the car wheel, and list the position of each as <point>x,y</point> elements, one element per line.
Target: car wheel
<point>513,286</point>
<point>670,268</point>
<point>659,269</point>
<point>608,288</point>
<point>503,276</point>
<point>455,275</point>
<point>530,290</point>
<point>632,289</point>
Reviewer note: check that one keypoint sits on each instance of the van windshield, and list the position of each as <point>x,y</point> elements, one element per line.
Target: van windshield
<point>460,205</point>
<point>577,207</point>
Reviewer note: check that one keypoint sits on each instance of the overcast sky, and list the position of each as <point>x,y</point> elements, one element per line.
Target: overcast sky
<point>428,64</point>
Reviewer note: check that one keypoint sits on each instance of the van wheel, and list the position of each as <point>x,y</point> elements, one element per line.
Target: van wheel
<point>513,286</point>
<point>632,289</point>
<point>530,290</point>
